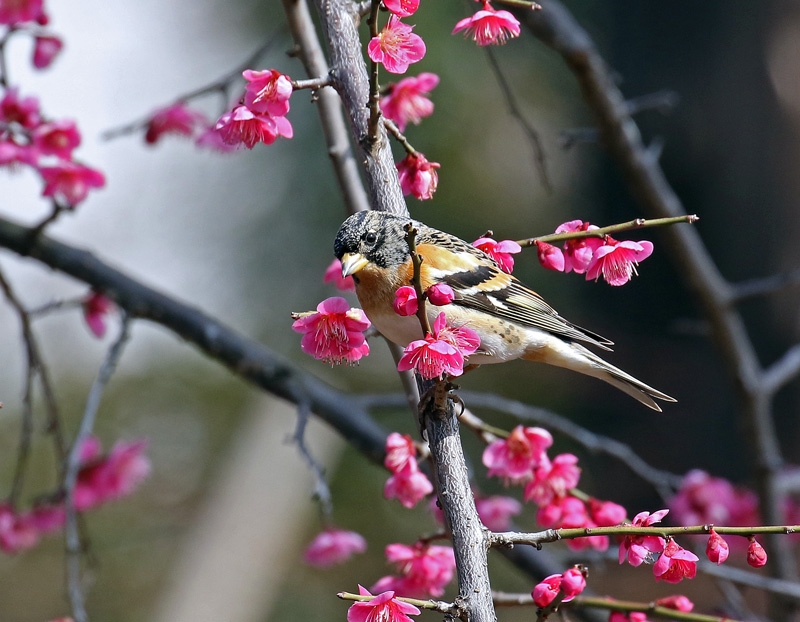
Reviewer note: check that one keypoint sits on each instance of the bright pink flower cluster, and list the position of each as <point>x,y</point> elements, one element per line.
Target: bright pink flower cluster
<point>501,252</point>
<point>615,261</point>
<point>26,138</point>
<point>488,26</point>
<point>260,116</point>
<point>102,478</point>
<point>517,457</point>
<point>406,303</point>
<point>334,333</point>
<point>334,546</point>
<point>396,47</point>
<point>18,12</point>
<point>496,511</point>
<point>383,608</point>
<point>407,102</point>
<point>418,176</point>
<point>424,570</point>
<point>442,352</point>
<point>177,119</point>
<point>569,584</point>
<point>407,483</point>
<point>703,499</point>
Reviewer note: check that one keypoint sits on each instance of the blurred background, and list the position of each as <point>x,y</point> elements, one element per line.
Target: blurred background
<point>246,237</point>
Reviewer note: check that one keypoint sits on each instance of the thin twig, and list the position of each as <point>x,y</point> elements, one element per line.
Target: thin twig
<point>322,491</point>
<point>765,286</point>
<point>782,371</point>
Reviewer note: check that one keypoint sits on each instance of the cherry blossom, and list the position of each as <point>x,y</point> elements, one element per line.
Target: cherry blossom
<point>441,352</point>
<point>243,126</point>
<point>12,154</point>
<point>333,274</point>
<point>57,138</point>
<point>639,548</point>
<point>14,109</point>
<point>756,555</point>
<point>17,531</point>
<point>407,102</point>
<point>607,513</point>
<point>400,450</point>
<point>495,512</point>
<point>176,119</point>
<point>426,569</point>
<point>550,256</point>
<point>69,183</point>
<point>110,477</point>
<point>489,27</point>
<point>418,176</point>
<point>334,546</point>
<point>546,590</point>
<point>45,50</point>
<point>334,332</point>
<point>616,261</point>
<point>441,294</point>
<point>677,602</point>
<point>383,608</point>
<point>717,548</point>
<point>553,479</point>
<point>703,499</point>
<point>675,564</point>
<point>210,138</point>
<point>501,252</point>
<point>517,457</point>
<point>267,92</point>
<point>572,583</point>
<point>408,485</point>
<point>396,47</point>
<point>402,8</point>
<point>96,307</point>
<point>18,11</point>
<point>578,253</point>
<point>405,301</point>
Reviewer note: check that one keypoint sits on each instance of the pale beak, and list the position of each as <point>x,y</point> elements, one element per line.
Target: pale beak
<point>352,263</point>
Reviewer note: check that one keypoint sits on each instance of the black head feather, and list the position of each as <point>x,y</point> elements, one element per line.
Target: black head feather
<point>378,236</point>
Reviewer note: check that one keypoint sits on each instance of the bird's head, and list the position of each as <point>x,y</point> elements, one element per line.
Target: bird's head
<point>372,237</point>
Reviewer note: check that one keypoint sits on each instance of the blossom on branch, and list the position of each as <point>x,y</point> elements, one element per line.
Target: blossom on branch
<point>334,546</point>
<point>440,353</point>
<point>517,457</point>
<point>396,47</point>
<point>96,307</point>
<point>242,126</point>
<point>267,92</point>
<point>334,333</point>
<point>716,548</point>
<point>405,301</point>
<point>408,485</point>
<point>418,176</point>
<point>401,8</point>
<point>106,478</point>
<point>677,602</point>
<point>425,569</point>
<point>383,608</point>
<point>13,12</point>
<point>756,555</point>
<point>69,183</point>
<point>57,138</point>
<point>45,50</point>
<point>407,101</point>
<point>639,548</point>
<point>495,512</point>
<point>176,119</point>
<point>616,261</point>
<point>675,564</point>
<point>489,27</point>
<point>440,294</point>
<point>703,499</point>
<point>578,253</point>
<point>400,450</point>
<point>501,252</point>
<point>553,479</point>
<point>22,110</point>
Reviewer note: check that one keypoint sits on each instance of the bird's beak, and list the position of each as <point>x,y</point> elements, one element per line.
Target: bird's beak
<point>352,263</point>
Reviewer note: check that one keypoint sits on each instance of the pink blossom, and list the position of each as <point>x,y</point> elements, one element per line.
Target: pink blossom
<point>553,479</point>
<point>578,253</point>
<point>96,307</point>
<point>550,257</point>
<point>12,154</point>
<point>440,353</point>
<point>402,8</point>
<point>426,568</point>
<point>334,546</point>
<point>17,531</point>
<point>383,608</point>
<point>405,301</point>
<point>677,602</point>
<point>408,485</point>
<point>489,27</point>
<point>175,119</point>
<point>675,564</point>
<point>418,176</point>
<point>616,261</point>
<point>632,616</point>
<point>334,333</point>
<point>267,92</point>
<point>756,555</point>
<point>113,476</point>
<point>546,590</point>
<point>69,183</point>
<point>393,583</point>
<point>703,499</point>
<point>243,126</point>
<point>396,47</point>
<point>400,450</point>
<point>717,548</point>
<point>13,12</point>
<point>575,516</point>
<point>516,457</point>
<point>639,548</point>
<point>554,512</point>
<point>496,512</point>
<point>45,49</point>
<point>607,513</point>
<point>440,294</point>
<point>572,583</point>
<point>57,138</point>
<point>47,518</point>
<point>333,274</point>
<point>24,111</point>
<point>407,102</point>
<point>501,252</point>
<point>210,138</point>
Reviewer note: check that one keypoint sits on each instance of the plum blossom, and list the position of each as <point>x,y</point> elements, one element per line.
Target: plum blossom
<point>440,294</point>
<point>517,457</point>
<point>677,602</point>
<point>12,154</point>
<point>407,102</point>
<point>396,47</point>
<point>572,583</point>
<point>501,252</point>
<point>334,546</point>
<point>57,138</point>
<point>489,27</point>
<point>703,499</point>
<point>69,183</point>
<point>267,92</point>
<point>616,261</point>
<point>383,608</point>
<point>22,110</point>
<point>607,513</point>
<point>631,616</point>
<point>334,332</point>
<point>243,126</point>
<point>550,256</point>
<point>110,477</point>
<point>408,485</point>
<point>546,590</point>
<point>400,450</point>
<point>333,274</point>
<point>418,176</point>
<point>402,8</point>
<point>578,253</point>
<point>553,479</point>
<point>405,301</point>
<point>425,569</point>
<point>45,50</point>
<point>17,532</point>
<point>176,119</point>
<point>96,307</point>
<point>440,353</point>
<point>495,512</point>
<point>756,555</point>
<point>717,548</point>
<point>210,138</point>
<point>13,12</point>
<point>675,564</point>
<point>639,548</point>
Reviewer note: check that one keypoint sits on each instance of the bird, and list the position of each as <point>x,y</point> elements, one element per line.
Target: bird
<point>512,320</point>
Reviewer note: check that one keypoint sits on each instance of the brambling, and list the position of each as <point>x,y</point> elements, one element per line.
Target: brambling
<point>511,319</point>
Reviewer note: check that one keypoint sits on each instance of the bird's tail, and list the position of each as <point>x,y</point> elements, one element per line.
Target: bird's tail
<point>574,356</point>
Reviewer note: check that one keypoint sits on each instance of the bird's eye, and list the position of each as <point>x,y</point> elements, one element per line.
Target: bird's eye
<point>371,237</point>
